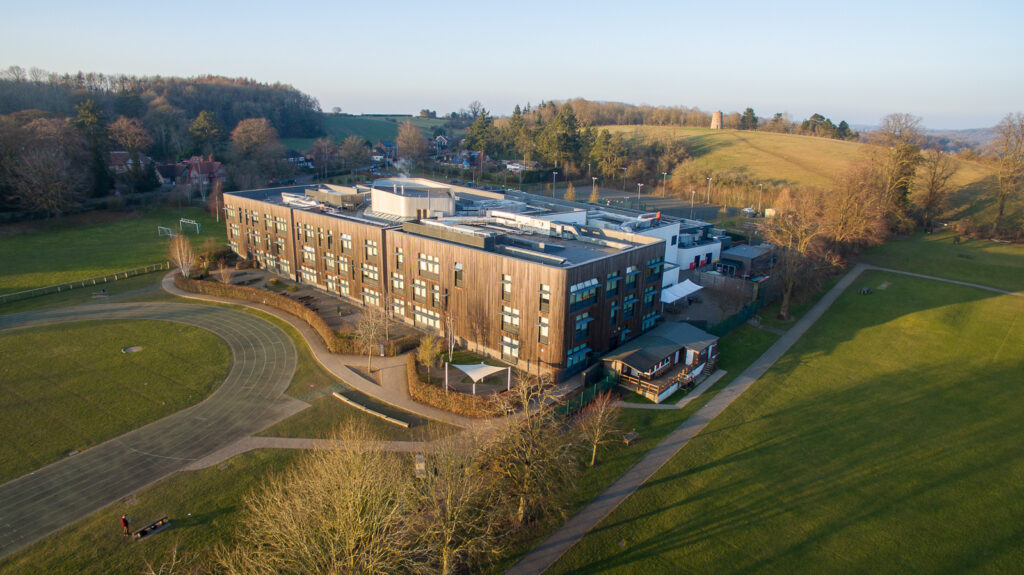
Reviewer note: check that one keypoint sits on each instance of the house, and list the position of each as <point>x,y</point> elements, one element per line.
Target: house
<point>203,173</point>
<point>120,161</point>
<point>659,362</point>
<point>439,143</point>
<point>172,174</point>
<point>746,262</point>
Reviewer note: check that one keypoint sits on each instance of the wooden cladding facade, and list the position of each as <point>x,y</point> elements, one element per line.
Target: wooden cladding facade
<point>492,301</point>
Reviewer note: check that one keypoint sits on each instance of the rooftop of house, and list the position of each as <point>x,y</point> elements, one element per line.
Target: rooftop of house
<point>746,252</point>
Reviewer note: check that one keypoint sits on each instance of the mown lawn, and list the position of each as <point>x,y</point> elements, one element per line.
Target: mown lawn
<point>977,261</point>
<point>68,387</point>
<point>202,506</point>
<point>886,440</point>
<point>72,249</point>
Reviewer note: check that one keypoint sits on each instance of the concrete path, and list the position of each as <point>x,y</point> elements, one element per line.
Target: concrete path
<point>547,552</point>
<point>250,399</point>
<point>938,279</point>
<point>394,387</point>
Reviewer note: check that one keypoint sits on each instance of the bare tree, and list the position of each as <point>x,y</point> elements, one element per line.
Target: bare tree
<point>225,272</point>
<point>1010,150</point>
<point>937,168</point>
<point>853,213</point>
<point>176,563</point>
<point>412,145</point>
<point>371,328</point>
<point>598,421</point>
<point>342,510</point>
<point>454,518</point>
<point>897,163</point>
<point>182,255</point>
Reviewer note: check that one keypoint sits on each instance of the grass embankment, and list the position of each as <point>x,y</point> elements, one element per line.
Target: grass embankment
<point>202,505</point>
<point>68,387</point>
<point>887,439</point>
<point>77,248</point>
<point>977,261</point>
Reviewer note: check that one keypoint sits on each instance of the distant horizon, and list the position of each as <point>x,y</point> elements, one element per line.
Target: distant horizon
<point>943,62</point>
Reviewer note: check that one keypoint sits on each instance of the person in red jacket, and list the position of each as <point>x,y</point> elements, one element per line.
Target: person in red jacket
<point>124,524</point>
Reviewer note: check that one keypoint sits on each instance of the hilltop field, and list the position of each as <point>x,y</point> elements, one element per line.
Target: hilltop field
<point>371,128</point>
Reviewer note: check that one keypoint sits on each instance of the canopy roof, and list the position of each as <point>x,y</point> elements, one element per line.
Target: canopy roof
<point>476,372</point>
<point>679,291</point>
<point>644,352</point>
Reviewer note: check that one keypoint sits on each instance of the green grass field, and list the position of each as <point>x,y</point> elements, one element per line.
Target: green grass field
<point>73,249</point>
<point>784,158</point>
<point>370,128</point>
<point>886,440</point>
<point>202,506</point>
<point>68,387</point>
<point>976,261</point>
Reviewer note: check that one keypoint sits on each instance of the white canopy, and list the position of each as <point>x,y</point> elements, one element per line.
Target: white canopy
<point>478,371</point>
<point>679,291</point>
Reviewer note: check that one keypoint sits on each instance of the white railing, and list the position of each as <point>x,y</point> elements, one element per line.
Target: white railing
<point>79,284</point>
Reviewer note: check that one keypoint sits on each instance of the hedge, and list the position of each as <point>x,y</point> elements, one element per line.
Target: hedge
<point>336,343</point>
<point>453,401</point>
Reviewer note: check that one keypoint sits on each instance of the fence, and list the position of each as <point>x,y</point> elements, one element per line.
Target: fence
<point>79,284</point>
<point>578,402</point>
<point>739,318</point>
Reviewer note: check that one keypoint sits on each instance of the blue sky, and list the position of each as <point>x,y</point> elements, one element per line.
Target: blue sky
<point>956,64</point>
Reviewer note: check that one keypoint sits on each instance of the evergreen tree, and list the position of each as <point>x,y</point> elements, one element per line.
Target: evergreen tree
<point>748,121</point>
<point>207,132</point>
<point>92,125</point>
<point>570,192</point>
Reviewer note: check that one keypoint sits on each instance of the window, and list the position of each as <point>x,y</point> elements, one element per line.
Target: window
<point>675,239</point>
<point>267,219</point>
<point>627,309</point>
<point>281,225</point>
<point>631,275</point>
<point>234,246</point>
<point>654,268</point>
<point>330,262</point>
<point>284,266</point>
<point>611,284</point>
<point>279,242</point>
<point>398,307</point>
<point>583,325</point>
<point>419,290</point>
<point>371,297</point>
<point>459,278</point>
<point>309,254</point>
<point>649,295</point>
<point>308,274</point>
<point>343,287</point>
<point>346,243</point>
<point>234,230</point>
<point>371,250</point>
<point>509,319</point>
<point>435,296</point>
<point>545,297</point>
<point>506,287</point>
<point>426,317</point>
<point>509,349</point>
<point>577,355</point>
<point>229,212</point>
<point>543,326</point>
<point>649,320</point>
<point>613,316</point>
<point>344,266</point>
<point>399,257</point>
<point>397,282</point>
<point>332,283</point>
<point>430,266</point>
<point>371,274</point>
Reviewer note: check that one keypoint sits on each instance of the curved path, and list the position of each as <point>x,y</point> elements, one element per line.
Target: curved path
<point>251,398</point>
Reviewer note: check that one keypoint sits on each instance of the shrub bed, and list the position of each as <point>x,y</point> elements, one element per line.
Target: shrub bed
<point>453,401</point>
<point>335,342</point>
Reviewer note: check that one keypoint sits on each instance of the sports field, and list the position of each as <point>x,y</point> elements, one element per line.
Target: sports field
<point>67,387</point>
<point>886,440</point>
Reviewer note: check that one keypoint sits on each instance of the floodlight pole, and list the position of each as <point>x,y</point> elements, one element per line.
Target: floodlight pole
<point>708,201</point>
<point>554,175</point>
<point>760,189</point>
<point>692,193</point>
<point>638,188</point>
<point>664,184</point>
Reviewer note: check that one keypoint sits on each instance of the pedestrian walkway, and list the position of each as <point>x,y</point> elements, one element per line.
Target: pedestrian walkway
<point>251,398</point>
<point>393,390</point>
<point>548,551</point>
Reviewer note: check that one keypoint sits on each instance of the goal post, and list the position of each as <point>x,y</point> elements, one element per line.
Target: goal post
<point>184,222</point>
<point>162,231</point>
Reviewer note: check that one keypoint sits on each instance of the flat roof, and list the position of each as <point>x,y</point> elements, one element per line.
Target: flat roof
<point>745,251</point>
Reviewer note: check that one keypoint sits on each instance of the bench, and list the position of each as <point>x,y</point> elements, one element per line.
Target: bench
<point>154,527</point>
<point>630,437</point>
<point>421,464</point>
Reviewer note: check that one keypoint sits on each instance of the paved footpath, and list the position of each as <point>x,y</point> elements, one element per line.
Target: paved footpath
<point>547,552</point>
<point>251,398</point>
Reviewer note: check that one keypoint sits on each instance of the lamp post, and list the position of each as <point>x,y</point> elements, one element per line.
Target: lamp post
<point>759,190</point>
<point>708,200</point>
<point>594,178</point>
<point>623,179</point>
<point>664,184</point>
<point>553,176</point>
<point>692,193</point>
<point>638,187</point>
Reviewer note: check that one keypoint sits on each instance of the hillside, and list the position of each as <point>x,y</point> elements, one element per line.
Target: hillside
<point>789,159</point>
<point>371,128</point>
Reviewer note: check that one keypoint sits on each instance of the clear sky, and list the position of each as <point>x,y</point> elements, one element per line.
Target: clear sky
<point>956,64</point>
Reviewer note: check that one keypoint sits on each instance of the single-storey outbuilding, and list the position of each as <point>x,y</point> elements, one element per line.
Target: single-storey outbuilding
<point>658,362</point>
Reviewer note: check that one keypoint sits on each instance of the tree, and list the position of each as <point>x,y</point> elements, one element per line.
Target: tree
<point>48,170</point>
<point>932,184</point>
<point>748,121</point>
<point>354,151</point>
<point>570,192</point>
<point>428,350</point>
<point>131,136</point>
<point>207,132</point>
<point>897,162</point>
<point>798,232</point>
<point>91,124</point>
<point>412,145</point>
<point>371,329</point>
<point>1010,151</point>
<point>183,255</point>
<point>323,152</point>
<point>853,214</point>
<point>481,135</point>
<point>559,141</point>
<point>594,196</point>
<point>336,110</point>
<point>340,510</point>
<point>256,151</point>
<point>597,422</point>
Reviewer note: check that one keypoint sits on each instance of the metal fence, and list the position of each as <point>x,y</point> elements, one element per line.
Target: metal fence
<point>86,283</point>
<point>588,394</point>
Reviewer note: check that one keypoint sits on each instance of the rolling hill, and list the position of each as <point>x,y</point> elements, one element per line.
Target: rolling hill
<point>371,128</point>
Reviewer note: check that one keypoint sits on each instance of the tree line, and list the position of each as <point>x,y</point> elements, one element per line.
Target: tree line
<point>166,106</point>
